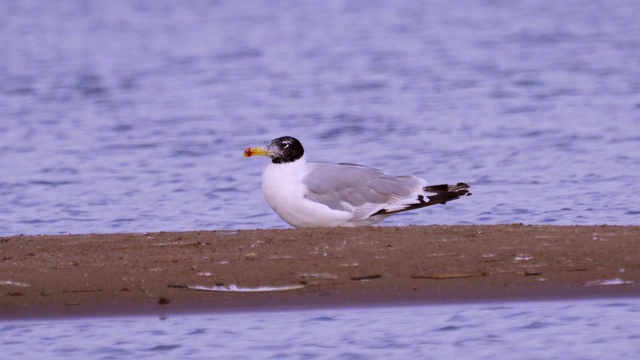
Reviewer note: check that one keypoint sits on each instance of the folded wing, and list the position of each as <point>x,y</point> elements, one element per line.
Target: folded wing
<point>361,190</point>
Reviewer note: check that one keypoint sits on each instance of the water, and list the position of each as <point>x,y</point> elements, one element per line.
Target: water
<point>133,115</point>
<point>541,330</point>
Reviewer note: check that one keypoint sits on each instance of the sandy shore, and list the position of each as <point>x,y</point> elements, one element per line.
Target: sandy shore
<point>50,276</point>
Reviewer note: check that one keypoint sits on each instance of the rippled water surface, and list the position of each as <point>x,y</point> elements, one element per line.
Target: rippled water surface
<point>133,115</point>
<point>544,330</point>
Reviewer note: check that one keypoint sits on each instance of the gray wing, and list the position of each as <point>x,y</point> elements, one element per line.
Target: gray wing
<point>358,189</point>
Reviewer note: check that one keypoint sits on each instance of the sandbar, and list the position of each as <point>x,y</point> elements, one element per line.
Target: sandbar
<point>166,273</point>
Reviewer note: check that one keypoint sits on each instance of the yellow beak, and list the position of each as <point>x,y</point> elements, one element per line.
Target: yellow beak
<point>256,151</point>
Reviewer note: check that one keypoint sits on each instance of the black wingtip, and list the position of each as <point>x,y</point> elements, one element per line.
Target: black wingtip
<point>444,192</point>
<point>441,195</point>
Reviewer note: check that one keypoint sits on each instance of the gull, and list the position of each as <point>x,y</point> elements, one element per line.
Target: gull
<point>307,194</point>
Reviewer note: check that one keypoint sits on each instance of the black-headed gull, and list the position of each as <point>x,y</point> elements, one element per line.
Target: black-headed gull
<point>306,194</point>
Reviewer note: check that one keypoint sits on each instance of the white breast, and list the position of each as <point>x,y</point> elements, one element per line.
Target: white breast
<point>283,188</point>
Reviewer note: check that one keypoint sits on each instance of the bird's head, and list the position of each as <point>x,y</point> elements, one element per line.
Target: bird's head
<point>284,149</point>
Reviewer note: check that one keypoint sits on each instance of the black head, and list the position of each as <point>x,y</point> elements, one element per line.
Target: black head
<point>285,149</point>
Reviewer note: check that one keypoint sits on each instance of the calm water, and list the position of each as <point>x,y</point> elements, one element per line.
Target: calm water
<point>544,330</point>
<point>131,116</point>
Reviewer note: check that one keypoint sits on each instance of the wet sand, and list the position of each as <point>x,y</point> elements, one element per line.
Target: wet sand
<point>122,274</point>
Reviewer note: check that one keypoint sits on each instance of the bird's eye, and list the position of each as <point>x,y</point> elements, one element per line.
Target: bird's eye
<point>285,144</point>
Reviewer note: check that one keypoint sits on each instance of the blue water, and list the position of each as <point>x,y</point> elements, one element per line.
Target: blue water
<point>132,116</point>
<point>580,330</point>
